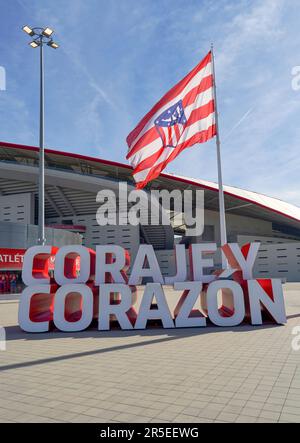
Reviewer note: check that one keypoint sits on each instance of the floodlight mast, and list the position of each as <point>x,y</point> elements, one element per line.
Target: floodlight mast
<point>41,37</point>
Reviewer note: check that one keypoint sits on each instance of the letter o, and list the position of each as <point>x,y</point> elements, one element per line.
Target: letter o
<point>65,265</point>
<point>86,308</point>
<point>238,302</point>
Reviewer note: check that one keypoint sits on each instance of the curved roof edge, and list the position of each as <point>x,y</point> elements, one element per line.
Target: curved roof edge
<point>273,204</point>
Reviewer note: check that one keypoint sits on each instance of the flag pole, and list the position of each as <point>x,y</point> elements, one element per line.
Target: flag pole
<point>223,234</point>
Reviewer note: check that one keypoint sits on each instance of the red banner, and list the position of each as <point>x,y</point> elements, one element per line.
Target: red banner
<point>11,259</point>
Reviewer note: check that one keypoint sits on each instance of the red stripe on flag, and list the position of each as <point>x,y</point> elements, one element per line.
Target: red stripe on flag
<point>200,113</point>
<point>149,161</point>
<point>163,134</point>
<point>145,139</point>
<point>177,133</point>
<point>169,133</point>
<point>204,85</point>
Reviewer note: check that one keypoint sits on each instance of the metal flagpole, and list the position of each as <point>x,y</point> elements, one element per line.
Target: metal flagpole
<point>223,233</point>
<point>41,239</point>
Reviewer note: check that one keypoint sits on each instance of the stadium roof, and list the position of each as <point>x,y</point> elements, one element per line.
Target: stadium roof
<point>237,201</point>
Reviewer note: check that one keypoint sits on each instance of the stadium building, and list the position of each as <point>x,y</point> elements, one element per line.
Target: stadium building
<point>72,182</point>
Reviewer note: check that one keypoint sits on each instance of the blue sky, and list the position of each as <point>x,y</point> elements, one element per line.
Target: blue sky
<point>118,57</point>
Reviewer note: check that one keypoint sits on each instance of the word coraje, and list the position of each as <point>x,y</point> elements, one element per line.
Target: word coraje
<point>89,285</point>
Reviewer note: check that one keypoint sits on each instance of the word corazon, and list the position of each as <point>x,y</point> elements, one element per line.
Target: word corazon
<point>101,289</point>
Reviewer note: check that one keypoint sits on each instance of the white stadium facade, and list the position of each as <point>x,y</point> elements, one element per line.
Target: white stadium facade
<point>72,182</point>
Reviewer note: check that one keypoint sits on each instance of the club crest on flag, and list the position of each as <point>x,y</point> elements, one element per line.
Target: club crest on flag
<point>170,124</point>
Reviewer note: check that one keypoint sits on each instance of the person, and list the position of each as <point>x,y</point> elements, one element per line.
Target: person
<point>13,283</point>
<point>7,283</point>
<point>2,283</point>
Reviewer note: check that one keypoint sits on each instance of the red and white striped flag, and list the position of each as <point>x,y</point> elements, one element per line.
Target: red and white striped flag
<point>183,117</point>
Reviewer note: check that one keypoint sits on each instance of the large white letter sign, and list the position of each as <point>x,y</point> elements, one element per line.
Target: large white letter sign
<point>242,259</point>
<point>25,309</point>
<point>110,264</point>
<point>154,290</point>
<point>65,265</point>
<point>197,262</point>
<point>118,311</point>
<point>238,303</point>
<point>273,302</point>
<point>145,253</point>
<point>181,266</point>
<point>71,299</point>
<point>83,309</point>
<point>185,316</point>
<point>35,270</point>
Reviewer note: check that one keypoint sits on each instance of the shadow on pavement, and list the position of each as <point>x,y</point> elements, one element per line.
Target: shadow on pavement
<point>15,332</point>
<point>161,336</point>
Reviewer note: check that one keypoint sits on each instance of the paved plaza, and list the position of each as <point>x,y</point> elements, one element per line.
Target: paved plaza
<point>242,374</point>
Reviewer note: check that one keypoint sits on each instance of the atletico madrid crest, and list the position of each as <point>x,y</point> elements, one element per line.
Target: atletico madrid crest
<point>170,125</point>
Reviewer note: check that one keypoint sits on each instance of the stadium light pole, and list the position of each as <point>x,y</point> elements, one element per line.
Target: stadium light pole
<point>41,37</point>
